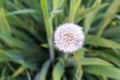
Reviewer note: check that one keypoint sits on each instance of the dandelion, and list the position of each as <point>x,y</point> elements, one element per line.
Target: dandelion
<point>69,37</point>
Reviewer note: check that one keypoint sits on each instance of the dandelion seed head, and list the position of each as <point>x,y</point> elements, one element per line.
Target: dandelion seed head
<point>68,37</point>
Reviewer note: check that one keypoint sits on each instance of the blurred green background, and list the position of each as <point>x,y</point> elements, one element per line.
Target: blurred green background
<point>27,50</point>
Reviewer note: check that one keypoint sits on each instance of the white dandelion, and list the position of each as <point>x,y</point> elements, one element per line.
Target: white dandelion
<point>69,37</point>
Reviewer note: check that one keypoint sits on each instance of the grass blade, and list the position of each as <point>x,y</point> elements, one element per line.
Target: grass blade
<point>13,42</point>
<point>102,42</point>
<point>43,73</point>
<point>24,11</point>
<point>4,26</point>
<point>105,71</point>
<point>109,15</point>
<point>49,28</point>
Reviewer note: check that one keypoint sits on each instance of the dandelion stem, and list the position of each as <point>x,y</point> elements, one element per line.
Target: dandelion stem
<point>80,66</point>
<point>66,56</point>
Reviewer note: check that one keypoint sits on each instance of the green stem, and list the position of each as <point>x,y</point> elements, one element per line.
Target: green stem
<point>80,66</point>
<point>49,28</point>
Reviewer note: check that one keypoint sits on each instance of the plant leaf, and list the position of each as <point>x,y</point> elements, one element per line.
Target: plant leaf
<point>80,53</point>
<point>102,42</point>
<point>4,26</point>
<point>12,41</point>
<point>88,61</point>
<point>58,71</point>
<point>19,71</point>
<point>111,11</point>
<point>83,12</point>
<point>24,11</point>
<point>112,33</point>
<point>57,4</point>
<point>105,71</point>
<point>89,18</point>
<point>43,73</point>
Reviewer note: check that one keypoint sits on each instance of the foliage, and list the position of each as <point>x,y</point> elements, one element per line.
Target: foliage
<point>27,50</point>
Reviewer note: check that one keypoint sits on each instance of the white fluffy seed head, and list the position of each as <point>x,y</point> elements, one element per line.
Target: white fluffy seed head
<point>68,37</point>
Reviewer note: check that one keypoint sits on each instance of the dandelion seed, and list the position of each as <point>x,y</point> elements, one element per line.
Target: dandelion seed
<point>69,37</point>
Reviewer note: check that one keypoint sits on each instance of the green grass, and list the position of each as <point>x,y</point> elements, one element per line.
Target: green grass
<point>27,50</point>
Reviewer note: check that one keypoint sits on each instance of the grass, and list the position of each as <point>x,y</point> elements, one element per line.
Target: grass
<point>27,50</point>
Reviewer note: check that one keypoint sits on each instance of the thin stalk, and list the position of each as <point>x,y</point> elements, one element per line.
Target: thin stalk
<point>80,66</point>
<point>49,28</point>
